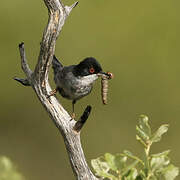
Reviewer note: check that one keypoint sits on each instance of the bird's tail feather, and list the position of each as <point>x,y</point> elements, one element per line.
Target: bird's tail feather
<point>56,65</point>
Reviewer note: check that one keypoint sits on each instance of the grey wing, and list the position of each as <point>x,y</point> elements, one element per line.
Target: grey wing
<point>65,81</point>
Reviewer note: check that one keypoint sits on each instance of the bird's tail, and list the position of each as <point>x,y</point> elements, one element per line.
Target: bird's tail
<point>56,65</point>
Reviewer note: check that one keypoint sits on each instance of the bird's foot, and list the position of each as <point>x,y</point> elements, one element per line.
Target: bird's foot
<point>73,115</point>
<point>52,93</point>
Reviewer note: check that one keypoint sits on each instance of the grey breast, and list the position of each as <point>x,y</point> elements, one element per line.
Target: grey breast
<point>72,87</point>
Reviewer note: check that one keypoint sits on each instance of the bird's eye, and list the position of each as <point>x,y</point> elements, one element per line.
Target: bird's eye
<point>91,70</point>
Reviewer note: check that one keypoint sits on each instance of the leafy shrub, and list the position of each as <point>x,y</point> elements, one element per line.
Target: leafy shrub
<point>127,166</point>
<point>8,170</point>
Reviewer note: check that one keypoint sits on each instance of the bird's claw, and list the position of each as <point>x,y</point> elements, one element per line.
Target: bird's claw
<point>73,115</point>
<point>52,93</point>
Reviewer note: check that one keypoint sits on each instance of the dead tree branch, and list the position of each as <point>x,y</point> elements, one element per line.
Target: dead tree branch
<point>38,80</point>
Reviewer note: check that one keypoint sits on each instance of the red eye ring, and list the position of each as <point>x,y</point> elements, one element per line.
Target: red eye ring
<point>91,70</point>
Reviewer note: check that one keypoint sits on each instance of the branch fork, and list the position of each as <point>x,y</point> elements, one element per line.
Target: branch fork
<point>38,80</point>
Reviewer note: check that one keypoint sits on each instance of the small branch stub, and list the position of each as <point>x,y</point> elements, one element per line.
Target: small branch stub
<point>69,8</point>
<point>25,67</point>
<point>24,82</point>
<point>24,63</point>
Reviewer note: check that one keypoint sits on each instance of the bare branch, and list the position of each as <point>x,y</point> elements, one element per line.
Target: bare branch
<point>52,5</point>
<point>39,82</point>
<point>24,64</point>
<point>79,124</point>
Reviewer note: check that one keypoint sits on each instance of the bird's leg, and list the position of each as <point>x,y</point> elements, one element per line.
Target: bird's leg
<point>73,113</point>
<point>53,92</point>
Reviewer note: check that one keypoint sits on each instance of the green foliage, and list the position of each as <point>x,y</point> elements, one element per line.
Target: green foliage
<point>8,170</point>
<point>126,166</point>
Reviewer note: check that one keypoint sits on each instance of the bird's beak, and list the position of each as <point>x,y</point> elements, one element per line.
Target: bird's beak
<point>108,75</point>
<point>102,73</point>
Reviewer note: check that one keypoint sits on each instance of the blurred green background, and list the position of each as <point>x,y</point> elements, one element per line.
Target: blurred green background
<point>136,40</point>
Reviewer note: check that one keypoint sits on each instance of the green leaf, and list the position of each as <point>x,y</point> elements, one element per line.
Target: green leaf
<point>101,168</point>
<point>142,134</point>
<point>153,177</point>
<point>110,159</point>
<point>132,174</point>
<point>8,171</point>
<point>164,153</point>
<point>128,168</point>
<point>141,141</point>
<point>143,124</point>
<point>157,163</point>
<point>157,135</point>
<point>120,161</point>
<point>130,155</point>
<point>141,175</point>
<point>143,130</point>
<point>170,172</point>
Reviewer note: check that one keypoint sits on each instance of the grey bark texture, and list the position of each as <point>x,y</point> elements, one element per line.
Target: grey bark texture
<point>38,80</point>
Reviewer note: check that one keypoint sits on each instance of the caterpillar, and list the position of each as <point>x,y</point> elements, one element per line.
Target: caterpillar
<point>104,86</point>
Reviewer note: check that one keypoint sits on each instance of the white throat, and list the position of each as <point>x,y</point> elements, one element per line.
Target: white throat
<point>86,80</point>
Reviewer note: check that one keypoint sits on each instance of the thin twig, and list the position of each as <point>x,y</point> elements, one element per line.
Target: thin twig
<point>24,64</point>
<point>24,82</point>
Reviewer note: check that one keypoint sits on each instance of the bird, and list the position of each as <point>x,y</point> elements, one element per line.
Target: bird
<point>73,82</point>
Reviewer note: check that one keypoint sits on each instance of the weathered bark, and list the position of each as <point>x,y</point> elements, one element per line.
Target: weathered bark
<point>38,80</point>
